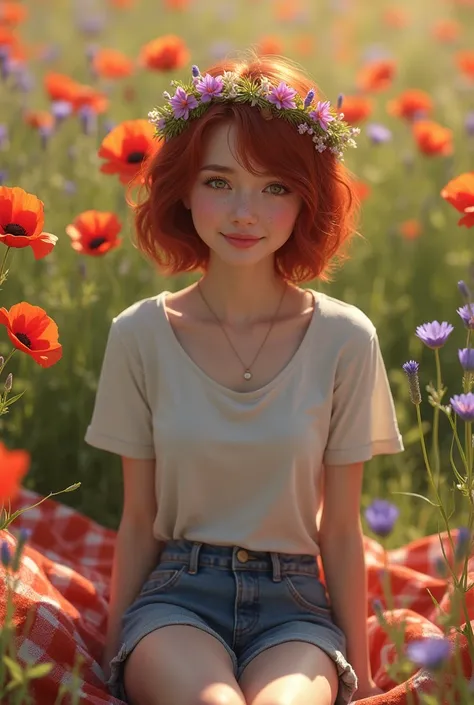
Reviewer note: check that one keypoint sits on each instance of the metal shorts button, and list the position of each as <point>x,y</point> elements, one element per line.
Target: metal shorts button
<point>242,555</point>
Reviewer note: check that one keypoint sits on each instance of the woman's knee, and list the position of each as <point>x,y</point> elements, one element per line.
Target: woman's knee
<point>181,665</point>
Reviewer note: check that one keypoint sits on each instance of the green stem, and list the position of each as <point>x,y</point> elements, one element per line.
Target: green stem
<point>6,361</point>
<point>435,434</point>
<point>3,264</point>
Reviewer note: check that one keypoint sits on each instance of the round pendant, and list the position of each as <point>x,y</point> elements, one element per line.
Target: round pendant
<point>247,375</point>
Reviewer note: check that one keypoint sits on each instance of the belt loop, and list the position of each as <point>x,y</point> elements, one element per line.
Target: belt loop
<point>194,558</point>
<point>276,567</point>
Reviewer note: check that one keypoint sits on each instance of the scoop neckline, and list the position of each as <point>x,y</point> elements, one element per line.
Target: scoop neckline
<point>160,299</point>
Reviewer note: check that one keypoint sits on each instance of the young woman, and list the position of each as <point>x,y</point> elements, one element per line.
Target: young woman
<point>244,407</point>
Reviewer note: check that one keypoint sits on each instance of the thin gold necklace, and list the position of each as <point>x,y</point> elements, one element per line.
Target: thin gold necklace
<point>247,373</point>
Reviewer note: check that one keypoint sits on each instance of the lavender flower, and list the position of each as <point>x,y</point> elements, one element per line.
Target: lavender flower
<point>430,652</point>
<point>378,134</point>
<point>463,405</point>
<point>282,96</point>
<point>466,358</point>
<point>381,516</point>
<point>182,103</point>
<point>195,71</point>
<point>209,87</point>
<point>434,334</point>
<point>411,370</point>
<point>340,100</point>
<point>322,114</point>
<point>467,314</point>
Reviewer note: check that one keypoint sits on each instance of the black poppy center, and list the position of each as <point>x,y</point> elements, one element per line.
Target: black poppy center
<point>96,242</point>
<point>23,338</point>
<point>14,229</point>
<point>135,157</point>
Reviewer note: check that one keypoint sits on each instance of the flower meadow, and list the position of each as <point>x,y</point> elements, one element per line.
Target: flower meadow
<point>77,81</point>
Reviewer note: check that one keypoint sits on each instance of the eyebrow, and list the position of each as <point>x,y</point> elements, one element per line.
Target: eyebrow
<point>224,169</point>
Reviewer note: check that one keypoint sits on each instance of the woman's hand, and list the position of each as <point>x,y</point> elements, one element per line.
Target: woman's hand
<point>367,690</point>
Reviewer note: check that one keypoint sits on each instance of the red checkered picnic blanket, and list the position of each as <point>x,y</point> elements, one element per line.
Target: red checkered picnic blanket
<point>64,583</point>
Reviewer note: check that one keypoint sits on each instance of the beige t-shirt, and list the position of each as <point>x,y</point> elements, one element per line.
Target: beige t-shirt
<point>244,468</point>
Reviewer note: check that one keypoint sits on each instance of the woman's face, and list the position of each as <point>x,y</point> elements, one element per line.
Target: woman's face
<point>227,199</point>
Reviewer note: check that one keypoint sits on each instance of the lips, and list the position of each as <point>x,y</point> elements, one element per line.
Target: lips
<point>238,236</point>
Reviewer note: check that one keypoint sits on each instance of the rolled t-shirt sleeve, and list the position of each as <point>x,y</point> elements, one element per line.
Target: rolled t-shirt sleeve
<point>122,419</point>
<point>363,418</point>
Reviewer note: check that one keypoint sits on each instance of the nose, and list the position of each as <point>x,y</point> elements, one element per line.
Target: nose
<point>244,209</point>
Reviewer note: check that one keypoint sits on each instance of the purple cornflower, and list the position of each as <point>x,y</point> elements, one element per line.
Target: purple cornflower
<point>322,114</point>
<point>182,103</point>
<point>466,358</point>
<point>195,71</point>
<point>61,109</point>
<point>3,135</point>
<point>430,652</point>
<point>340,100</point>
<point>209,87</point>
<point>378,134</point>
<point>467,314</point>
<point>5,554</point>
<point>282,96</point>
<point>469,123</point>
<point>463,543</point>
<point>463,405</point>
<point>434,334</point>
<point>381,516</point>
<point>411,370</point>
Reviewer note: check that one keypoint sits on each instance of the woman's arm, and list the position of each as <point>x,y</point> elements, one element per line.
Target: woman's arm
<point>342,554</point>
<point>136,549</point>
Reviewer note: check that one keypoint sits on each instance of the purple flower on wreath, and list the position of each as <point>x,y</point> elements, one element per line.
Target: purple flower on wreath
<point>282,96</point>
<point>322,114</point>
<point>430,652</point>
<point>434,335</point>
<point>182,103</point>
<point>210,87</point>
<point>463,405</point>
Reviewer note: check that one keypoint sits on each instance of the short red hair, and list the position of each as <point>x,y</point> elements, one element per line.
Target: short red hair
<point>164,228</point>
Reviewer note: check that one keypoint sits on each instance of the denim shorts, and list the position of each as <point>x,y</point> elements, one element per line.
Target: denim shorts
<point>248,600</point>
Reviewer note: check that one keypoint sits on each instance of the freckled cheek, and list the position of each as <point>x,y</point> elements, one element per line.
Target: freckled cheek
<point>208,208</point>
<point>283,216</point>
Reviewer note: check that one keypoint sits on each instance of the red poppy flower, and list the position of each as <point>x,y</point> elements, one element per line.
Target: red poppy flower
<point>362,189</point>
<point>465,62</point>
<point>446,30</point>
<point>270,44</point>
<point>410,104</point>
<point>12,13</point>
<point>58,86</point>
<point>14,465</point>
<point>433,139</point>
<point>126,147</point>
<point>459,192</point>
<point>410,229</point>
<point>94,232</point>
<point>112,63</point>
<point>165,53</point>
<point>22,220</point>
<point>356,109</point>
<point>33,332</point>
<point>376,75</point>
<point>39,118</point>
<point>396,17</point>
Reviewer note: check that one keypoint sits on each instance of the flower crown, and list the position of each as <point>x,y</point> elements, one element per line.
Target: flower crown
<point>191,100</point>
